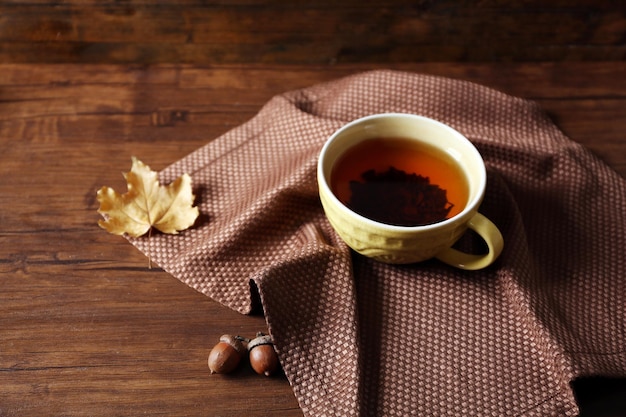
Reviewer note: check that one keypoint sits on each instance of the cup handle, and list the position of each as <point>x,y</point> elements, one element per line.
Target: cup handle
<point>492,237</point>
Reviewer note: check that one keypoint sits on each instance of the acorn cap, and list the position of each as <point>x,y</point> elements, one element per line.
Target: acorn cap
<point>264,339</point>
<point>237,342</point>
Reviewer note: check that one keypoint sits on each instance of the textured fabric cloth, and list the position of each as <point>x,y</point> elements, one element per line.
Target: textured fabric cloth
<point>361,338</point>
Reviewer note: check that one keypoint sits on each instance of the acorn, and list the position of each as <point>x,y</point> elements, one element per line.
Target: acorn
<point>263,356</point>
<point>227,354</point>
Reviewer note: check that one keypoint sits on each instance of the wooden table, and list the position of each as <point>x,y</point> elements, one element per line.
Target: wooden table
<point>86,328</point>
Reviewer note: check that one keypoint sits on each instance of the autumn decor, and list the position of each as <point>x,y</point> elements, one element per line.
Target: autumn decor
<point>229,352</point>
<point>263,356</point>
<point>147,204</point>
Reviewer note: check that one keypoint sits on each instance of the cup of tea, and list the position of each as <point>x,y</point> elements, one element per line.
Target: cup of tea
<point>402,188</point>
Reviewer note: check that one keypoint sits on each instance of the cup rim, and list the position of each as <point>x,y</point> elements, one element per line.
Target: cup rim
<point>470,208</point>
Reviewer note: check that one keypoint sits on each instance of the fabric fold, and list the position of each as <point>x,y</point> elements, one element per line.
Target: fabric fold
<point>310,297</point>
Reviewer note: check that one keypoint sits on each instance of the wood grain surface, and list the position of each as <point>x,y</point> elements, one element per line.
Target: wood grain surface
<point>311,32</point>
<point>86,328</point>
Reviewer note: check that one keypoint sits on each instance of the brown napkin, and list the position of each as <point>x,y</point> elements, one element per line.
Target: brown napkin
<point>357,337</point>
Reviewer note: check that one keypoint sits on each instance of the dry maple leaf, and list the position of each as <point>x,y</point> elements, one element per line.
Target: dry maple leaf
<point>147,204</point>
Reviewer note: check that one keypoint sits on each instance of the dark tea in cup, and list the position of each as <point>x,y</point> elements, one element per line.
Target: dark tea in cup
<point>401,182</point>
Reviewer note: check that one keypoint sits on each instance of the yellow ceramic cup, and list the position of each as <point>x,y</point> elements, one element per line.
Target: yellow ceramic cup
<point>404,244</point>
